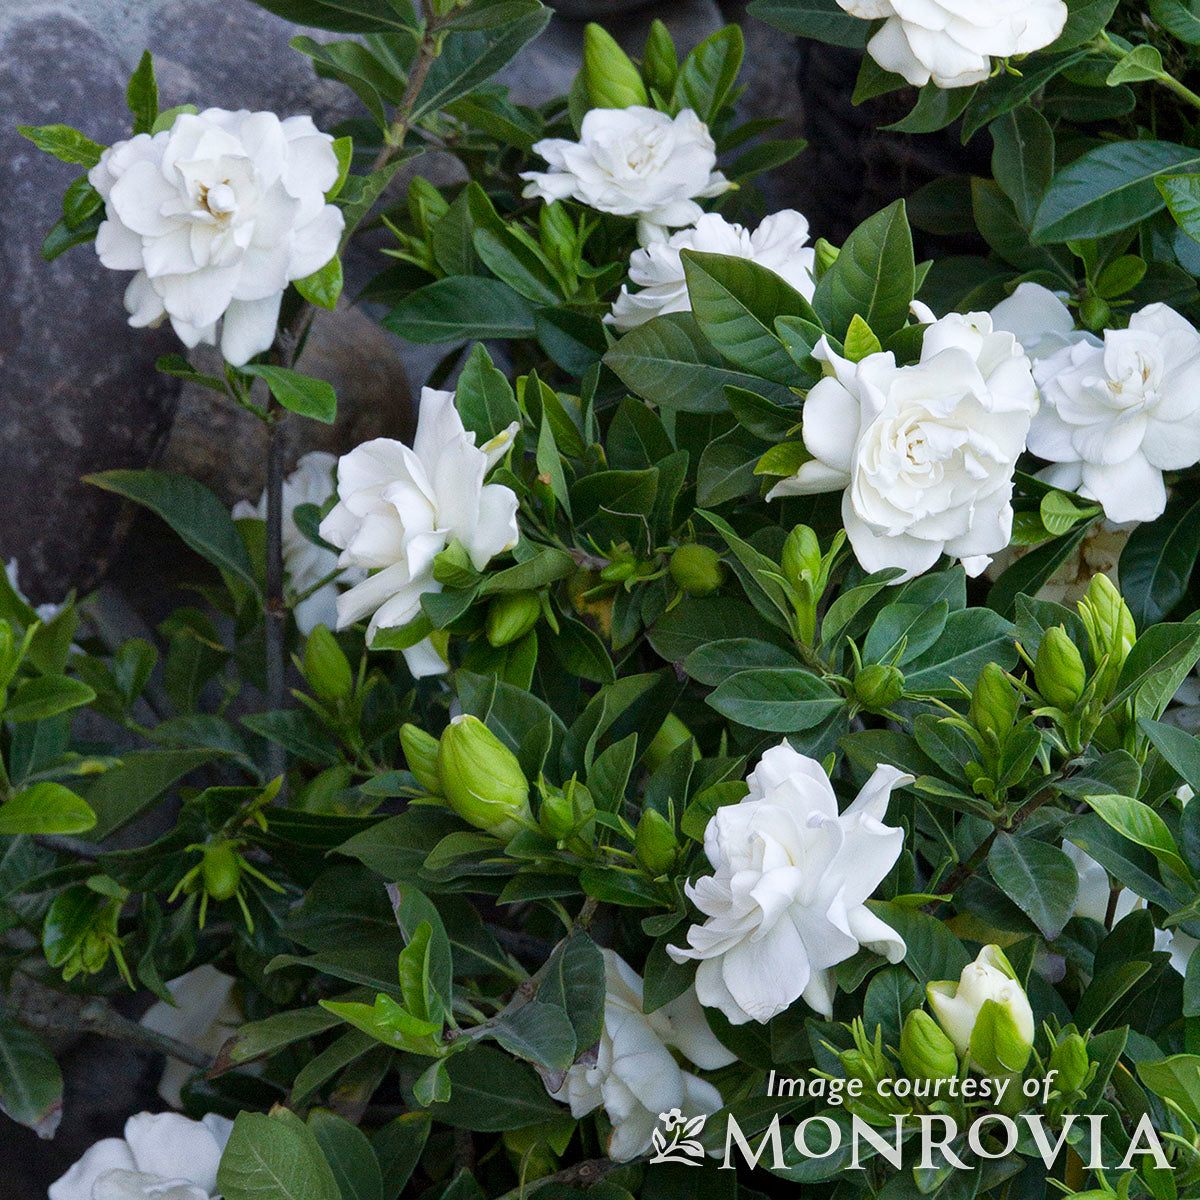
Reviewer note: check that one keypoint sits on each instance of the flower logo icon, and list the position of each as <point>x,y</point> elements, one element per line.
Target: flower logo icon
<point>682,1146</point>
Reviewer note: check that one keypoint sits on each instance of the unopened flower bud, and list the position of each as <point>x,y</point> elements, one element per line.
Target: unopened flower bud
<point>325,666</point>
<point>697,569</point>
<point>1070,1059</point>
<point>801,556</point>
<point>1059,671</point>
<point>510,616</point>
<point>482,779</point>
<point>826,255</point>
<point>993,702</point>
<point>556,817</point>
<point>1094,313</point>
<point>925,1051</point>
<point>611,78</point>
<point>986,1013</point>
<point>557,231</point>
<point>323,793</point>
<point>1108,621</point>
<point>421,755</point>
<point>655,842</point>
<point>876,686</point>
<point>672,733</point>
<point>222,871</point>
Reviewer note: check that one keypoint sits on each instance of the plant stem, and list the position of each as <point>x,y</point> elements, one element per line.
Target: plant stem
<point>582,1173</point>
<point>95,1016</point>
<point>1106,45</point>
<point>276,614</point>
<point>965,870</point>
<point>287,347</point>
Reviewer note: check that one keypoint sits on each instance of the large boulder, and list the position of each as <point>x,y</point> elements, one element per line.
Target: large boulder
<point>80,390</point>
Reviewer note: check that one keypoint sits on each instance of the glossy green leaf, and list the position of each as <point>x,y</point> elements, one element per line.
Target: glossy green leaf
<point>46,808</point>
<point>1109,189</point>
<point>298,393</point>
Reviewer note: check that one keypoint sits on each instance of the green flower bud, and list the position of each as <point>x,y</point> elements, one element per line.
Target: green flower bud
<point>322,793</point>
<point>1108,621</point>
<point>510,616</point>
<point>611,78</point>
<point>619,571</point>
<point>93,953</point>
<point>1070,1059</point>
<point>421,755</point>
<point>222,870</point>
<point>986,1013</point>
<point>660,62</point>
<point>655,842</point>
<point>325,666</point>
<point>556,817</point>
<point>1094,313</point>
<point>557,232</point>
<point>801,556</point>
<point>993,702</point>
<point>697,569</point>
<point>925,1051</point>
<point>826,255</point>
<point>482,779</point>
<point>876,686</point>
<point>671,734</point>
<point>1059,671</point>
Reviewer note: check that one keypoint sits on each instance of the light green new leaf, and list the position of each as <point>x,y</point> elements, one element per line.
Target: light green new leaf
<point>46,808</point>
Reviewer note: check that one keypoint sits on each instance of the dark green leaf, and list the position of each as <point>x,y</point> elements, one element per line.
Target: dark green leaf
<point>298,393</point>
<point>1109,189</point>
<point>461,308</point>
<point>194,512</point>
<point>778,700</point>
<point>874,277</point>
<point>1038,878</point>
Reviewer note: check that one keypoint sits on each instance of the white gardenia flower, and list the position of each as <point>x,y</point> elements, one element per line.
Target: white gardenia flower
<point>635,162</point>
<point>204,1015</point>
<point>305,563</point>
<point>163,1156</point>
<point>1095,892</point>
<point>400,506</point>
<point>957,1005</point>
<point>780,243</point>
<point>925,453</point>
<point>787,899</point>
<point>1115,416</point>
<point>1039,320</point>
<point>635,1076</point>
<point>217,215</point>
<point>953,42</point>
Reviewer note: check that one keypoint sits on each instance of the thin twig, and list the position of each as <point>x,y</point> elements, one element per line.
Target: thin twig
<point>287,349</point>
<point>965,870</point>
<point>583,1173</point>
<point>95,1016</point>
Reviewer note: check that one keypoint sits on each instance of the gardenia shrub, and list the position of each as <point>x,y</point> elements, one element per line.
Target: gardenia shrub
<point>742,744</point>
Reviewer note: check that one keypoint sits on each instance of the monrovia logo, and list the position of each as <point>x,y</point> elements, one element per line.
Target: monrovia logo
<point>930,1138</point>
<point>682,1147</point>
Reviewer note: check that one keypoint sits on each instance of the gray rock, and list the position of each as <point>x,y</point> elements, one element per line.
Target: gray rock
<point>225,447</point>
<point>546,67</point>
<point>236,55</point>
<point>80,390</point>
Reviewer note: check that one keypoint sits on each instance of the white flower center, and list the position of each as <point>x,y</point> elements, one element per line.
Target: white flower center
<point>220,199</point>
